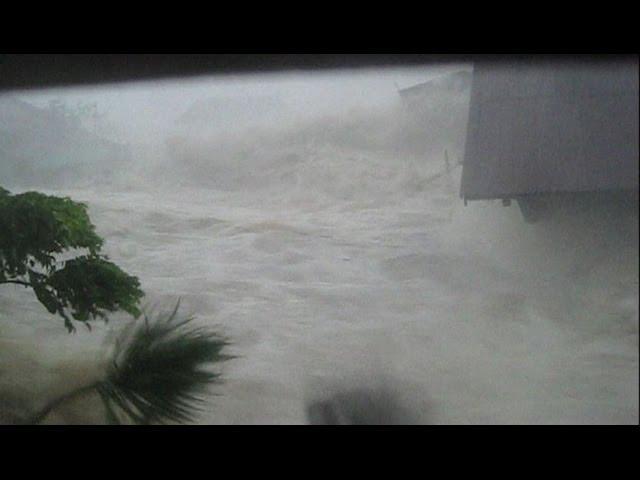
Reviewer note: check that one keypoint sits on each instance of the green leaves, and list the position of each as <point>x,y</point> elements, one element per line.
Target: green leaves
<point>36,228</point>
<point>161,370</point>
<point>90,285</point>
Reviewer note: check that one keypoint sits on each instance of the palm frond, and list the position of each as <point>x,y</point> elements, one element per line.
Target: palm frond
<point>161,370</point>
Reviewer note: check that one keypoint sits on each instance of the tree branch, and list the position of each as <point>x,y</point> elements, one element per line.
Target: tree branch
<point>46,410</point>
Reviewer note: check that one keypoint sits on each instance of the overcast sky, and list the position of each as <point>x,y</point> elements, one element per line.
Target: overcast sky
<point>144,108</point>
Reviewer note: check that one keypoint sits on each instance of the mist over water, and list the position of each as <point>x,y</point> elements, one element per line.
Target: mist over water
<point>315,220</point>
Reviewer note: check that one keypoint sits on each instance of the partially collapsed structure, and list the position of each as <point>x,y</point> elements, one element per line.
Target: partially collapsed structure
<point>437,112</point>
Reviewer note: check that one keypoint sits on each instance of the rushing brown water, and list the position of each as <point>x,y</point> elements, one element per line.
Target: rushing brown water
<point>337,259</point>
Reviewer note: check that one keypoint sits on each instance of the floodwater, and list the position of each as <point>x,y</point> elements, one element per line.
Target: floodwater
<point>333,258</point>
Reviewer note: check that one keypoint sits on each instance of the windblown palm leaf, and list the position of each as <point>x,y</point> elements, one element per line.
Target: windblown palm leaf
<point>159,370</point>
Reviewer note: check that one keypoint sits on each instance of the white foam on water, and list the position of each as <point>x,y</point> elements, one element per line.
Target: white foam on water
<point>332,252</point>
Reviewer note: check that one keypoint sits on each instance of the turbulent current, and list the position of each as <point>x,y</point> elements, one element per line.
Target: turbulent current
<point>336,259</point>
